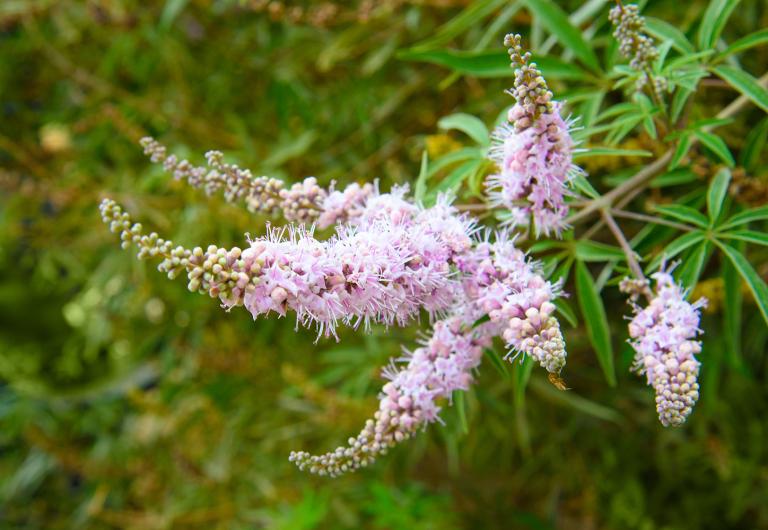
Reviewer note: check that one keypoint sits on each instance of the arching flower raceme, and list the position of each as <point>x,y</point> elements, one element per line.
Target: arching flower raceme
<point>663,335</point>
<point>388,260</point>
<point>411,398</point>
<point>533,152</point>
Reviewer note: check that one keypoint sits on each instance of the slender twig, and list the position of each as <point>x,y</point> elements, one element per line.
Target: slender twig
<point>644,176</point>
<point>634,265</point>
<point>649,219</point>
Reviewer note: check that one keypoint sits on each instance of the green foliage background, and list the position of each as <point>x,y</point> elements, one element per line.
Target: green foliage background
<point>126,402</point>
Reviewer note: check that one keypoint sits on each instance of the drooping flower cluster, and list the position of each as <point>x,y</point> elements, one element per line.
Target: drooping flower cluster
<point>410,400</point>
<point>533,152</point>
<point>663,335</point>
<point>634,44</point>
<point>394,262</point>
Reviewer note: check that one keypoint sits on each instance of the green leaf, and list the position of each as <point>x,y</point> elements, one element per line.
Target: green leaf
<point>473,63</point>
<point>468,17</point>
<point>420,189</point>
<point>678,102</point>
<point>469,125</point>
<point>744,83</point>
<point>455,178</point>
<point>554,19</point>
<point>609,151</point>
<point>593,313</point>
<point>459,400</point>
<point>677,246</point>
<point>749,157</point>
<point>690,272</point>
<point>753,39</point>
<point>684,213</point>
<point>586,250</point>
<point>754,281</point>
<point>565,309</point>
<point>732,313</point>
<point>665,31</point>
<point>716,144</point>
<point>522,374</point>
<point>750,236</point>
<point>583,186</point>
<point>490,63</point>
<point>713,22</point>
<point>755,214</point>
<point>716,193</point>
<point>497,362</point>
<point>683,146</point>
<point>171,10</point>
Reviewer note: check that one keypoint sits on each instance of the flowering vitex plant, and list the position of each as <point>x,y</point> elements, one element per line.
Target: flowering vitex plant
<point>392,258</point>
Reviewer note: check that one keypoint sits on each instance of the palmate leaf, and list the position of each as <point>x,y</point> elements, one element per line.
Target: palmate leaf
<point>755,283</point>
<point>593,313</point>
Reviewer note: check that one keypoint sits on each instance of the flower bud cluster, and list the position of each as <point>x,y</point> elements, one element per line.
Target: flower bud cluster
<point>663,336</point>
<point>301,202</point>
<point>634,44</point>
<point>530,89</point>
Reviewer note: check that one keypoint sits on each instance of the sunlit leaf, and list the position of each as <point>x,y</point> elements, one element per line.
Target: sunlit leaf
<point>755,283</point>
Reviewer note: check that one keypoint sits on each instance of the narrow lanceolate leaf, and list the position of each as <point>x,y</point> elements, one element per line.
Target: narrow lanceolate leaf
<point>677,246</point>
<point>593,311</point>
<point>497,362</point>
<point>459,398</point>
<point>665,31</point>
<point>609,151</point>
<point>753,39</point>
<point>713,22</point>
<point>742,218</point>
<point>755,283</point>
<point>693,266</point>
<point>732,311</point>
<point>420,189</point>
<point>684,213</point>
<point>594,251</point>
<point>468,124</point>
<point>750,236</point>
<point>716,193</point>
<point>749,157</point>
<point>683,146</point>
<point>554,19</point>
<point>744,83</point>
<point>716,144</point>
<point>461,22</point>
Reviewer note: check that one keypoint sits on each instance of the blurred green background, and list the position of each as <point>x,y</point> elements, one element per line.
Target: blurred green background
<point>126,402</point>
